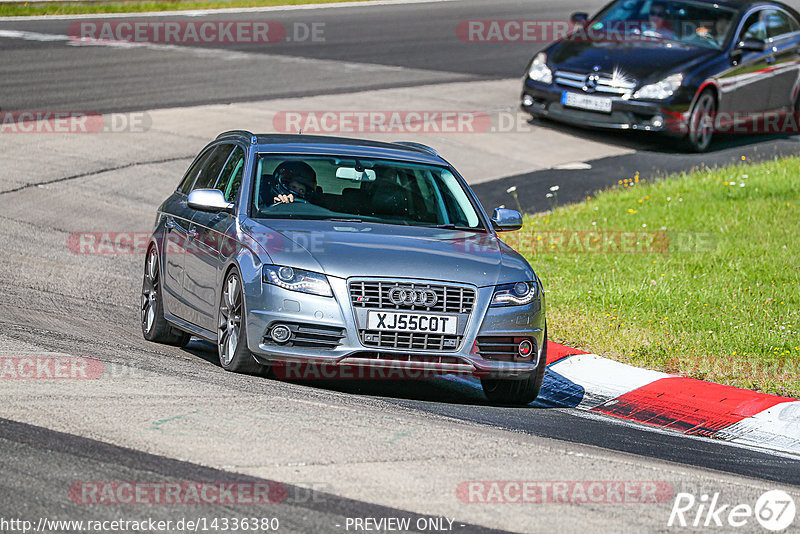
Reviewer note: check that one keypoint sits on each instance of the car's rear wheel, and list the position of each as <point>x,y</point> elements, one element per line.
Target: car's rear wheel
<point>232,330</point>
<point>701,122</point>
<point>154,326</point>
<point>517,391</point>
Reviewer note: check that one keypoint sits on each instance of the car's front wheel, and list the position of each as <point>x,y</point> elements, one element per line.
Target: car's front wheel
<point>701,122</point>
<point>232,330</point>
<point>154,327</point>
<point>517,391</point>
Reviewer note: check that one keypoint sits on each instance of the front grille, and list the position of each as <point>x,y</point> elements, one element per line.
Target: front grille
<point>609,85</point>
<point>502,348</point>
<point>310,336</point>
<point>450,299</point>
<point>408,340</point>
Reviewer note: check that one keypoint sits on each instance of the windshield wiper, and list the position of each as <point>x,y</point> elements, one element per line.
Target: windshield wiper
<point>343,219</point>
<point>457,227</point>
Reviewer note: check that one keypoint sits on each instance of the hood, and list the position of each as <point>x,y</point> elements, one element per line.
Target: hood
<point>347,250</point>
<point>644,61</point>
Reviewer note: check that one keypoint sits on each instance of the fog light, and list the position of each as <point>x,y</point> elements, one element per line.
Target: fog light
<point>657,121</point>
<point>527,100</point>
<point>525,348</point>
<point>280,333</point>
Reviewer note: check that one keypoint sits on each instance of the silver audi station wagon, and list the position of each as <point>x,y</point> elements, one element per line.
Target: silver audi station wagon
<point>349,252</point>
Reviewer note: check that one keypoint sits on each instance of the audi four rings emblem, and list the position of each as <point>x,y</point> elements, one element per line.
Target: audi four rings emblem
<point>409,296</point>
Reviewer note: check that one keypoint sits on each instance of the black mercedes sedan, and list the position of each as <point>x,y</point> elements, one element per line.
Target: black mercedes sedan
<point>682,67</point>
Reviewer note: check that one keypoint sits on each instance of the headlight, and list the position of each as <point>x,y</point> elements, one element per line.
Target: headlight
<point>661,90</point>
<point>297,280</point>
<point>515,294</point>
<point>539,71</point>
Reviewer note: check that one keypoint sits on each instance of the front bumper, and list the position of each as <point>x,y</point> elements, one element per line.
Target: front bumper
<point>544,101</point>
<point>334,321</point>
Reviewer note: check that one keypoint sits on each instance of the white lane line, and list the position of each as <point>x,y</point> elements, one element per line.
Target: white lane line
<point>220,53</point>
<point>205,12</point>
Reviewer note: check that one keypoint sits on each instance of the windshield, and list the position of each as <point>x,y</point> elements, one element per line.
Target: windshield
<point>698,24</point>
<point>381,191</point>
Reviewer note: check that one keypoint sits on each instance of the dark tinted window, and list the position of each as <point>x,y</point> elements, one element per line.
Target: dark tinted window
<point>231,178</point>
<point>212,167</point>
<point>754,27</point>
<point>779,23</point>
<point>194,170</point>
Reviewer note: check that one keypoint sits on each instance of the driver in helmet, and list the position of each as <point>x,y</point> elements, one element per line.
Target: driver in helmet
<point>296,181</point>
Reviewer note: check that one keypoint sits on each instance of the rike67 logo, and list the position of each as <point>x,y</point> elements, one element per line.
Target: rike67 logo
<point>774,511</point>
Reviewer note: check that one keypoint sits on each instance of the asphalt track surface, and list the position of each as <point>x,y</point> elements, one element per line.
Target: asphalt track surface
<point>52,300</point>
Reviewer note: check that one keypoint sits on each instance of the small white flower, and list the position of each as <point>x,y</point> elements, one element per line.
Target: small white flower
<point>669,198</point>
<point>663,227</point>
<point>746,176</point>
<point>511,189</point>
<point>594,223</point>
<point>741,184</point>
<point>680,200</point>
<point>644,226</point>
<point>554,188</point>
<point>549,195</point>
<point>733,183</point>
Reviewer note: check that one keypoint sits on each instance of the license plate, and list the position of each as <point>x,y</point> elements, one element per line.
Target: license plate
<point>412,322</point>
<point>590,102</point>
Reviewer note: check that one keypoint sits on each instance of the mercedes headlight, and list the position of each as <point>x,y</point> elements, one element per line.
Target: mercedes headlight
<point>660,90</point>
<point>517,294</point>
<point>297,280</point>
<point>539,71</point>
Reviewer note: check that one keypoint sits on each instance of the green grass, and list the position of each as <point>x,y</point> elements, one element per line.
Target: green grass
<point>20,9</point>
<point>717,299</point>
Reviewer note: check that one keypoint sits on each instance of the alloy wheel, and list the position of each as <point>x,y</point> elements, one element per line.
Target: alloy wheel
<point>150,291</point>
<point>230,319</point>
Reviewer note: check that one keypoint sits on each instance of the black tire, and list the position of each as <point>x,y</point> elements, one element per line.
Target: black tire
<point>701,122</point>
<point>155,327</point>
<point>517,391</point>
<point>232,348</point>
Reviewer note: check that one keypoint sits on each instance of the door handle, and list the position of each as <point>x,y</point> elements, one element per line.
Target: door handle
<point>192,233</point>
<point>170,224</point>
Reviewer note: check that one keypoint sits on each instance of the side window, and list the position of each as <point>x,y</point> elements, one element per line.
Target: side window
<point>212,167</point>
<point>231,178</point>
<point>754,28</point>
<point>779,23</point>
<point>194,170</point>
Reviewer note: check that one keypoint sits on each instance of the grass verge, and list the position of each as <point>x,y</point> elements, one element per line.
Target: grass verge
<point>697,274</point>
<point>22,9</point>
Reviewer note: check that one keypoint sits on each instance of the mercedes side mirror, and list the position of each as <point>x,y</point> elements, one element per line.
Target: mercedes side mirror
<point>751,45</point>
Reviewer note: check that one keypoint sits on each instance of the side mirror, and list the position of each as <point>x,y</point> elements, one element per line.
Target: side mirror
<point>208,200</point>
<point>579,18</point>
<point>751,45</point>
<point>506,220</point>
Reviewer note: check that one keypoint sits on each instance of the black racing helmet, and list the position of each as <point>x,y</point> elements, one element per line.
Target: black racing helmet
<point>291,173</point>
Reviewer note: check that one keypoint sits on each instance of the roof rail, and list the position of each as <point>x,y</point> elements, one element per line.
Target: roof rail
<point>418,146</point>
<point>239,133</point>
